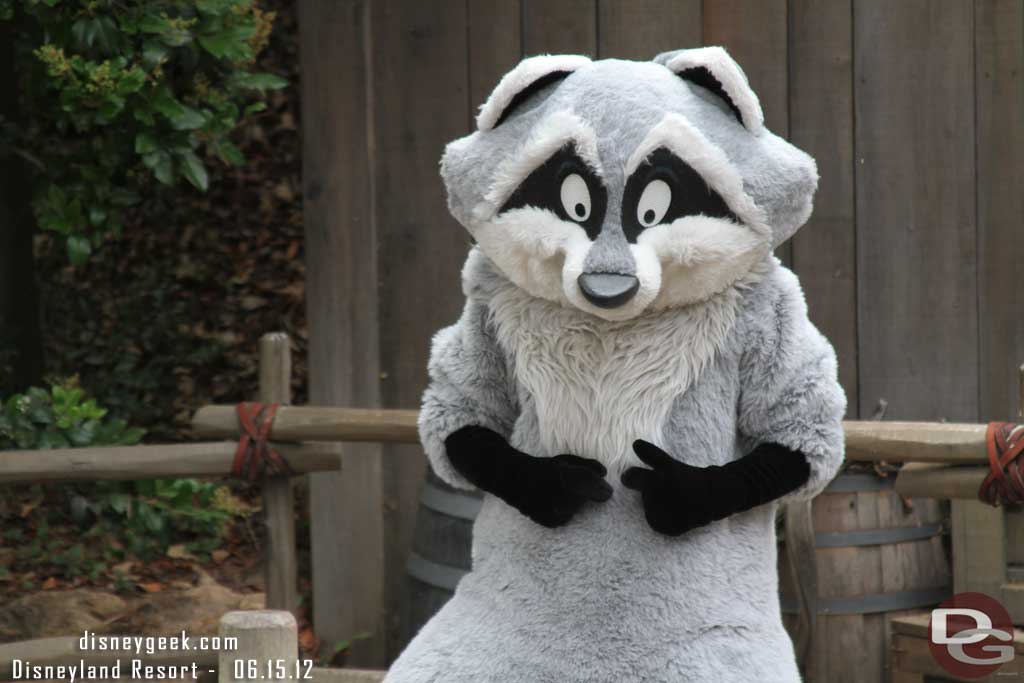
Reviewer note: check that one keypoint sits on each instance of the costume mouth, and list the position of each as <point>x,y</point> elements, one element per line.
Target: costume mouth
<point>608,290</point>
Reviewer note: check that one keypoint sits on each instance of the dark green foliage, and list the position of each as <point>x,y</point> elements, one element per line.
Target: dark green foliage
<point>132,344</point>
<point>116,519</point>
<point>147,516</point>
<point>163,319</point>
<point>163,322</point>
<point>167,317</point>
<point>61,417</point>
<point>121,97</point>
<point>83,530</point>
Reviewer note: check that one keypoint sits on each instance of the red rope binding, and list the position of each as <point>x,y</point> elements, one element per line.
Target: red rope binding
<point>254,458</point>
<point>1005,481</point>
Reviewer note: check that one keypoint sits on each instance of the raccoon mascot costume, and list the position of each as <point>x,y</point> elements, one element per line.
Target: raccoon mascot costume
<point>634,382</point>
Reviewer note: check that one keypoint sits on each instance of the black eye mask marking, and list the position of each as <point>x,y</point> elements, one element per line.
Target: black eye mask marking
<point>691,195</point>
<point>543,189</point>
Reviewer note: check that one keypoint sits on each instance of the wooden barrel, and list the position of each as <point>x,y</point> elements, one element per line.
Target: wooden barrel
<point>440,551</point>
<point>874,556</point>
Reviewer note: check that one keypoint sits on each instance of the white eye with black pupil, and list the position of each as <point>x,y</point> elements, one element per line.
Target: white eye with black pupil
<point>654,203</point>
<point>576,197</point>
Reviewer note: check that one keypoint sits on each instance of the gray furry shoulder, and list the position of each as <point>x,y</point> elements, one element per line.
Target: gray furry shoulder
<point>790,391</point>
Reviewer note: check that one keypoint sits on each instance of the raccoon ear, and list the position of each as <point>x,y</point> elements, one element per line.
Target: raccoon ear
<point>714,69</point>
<point>532,74</point>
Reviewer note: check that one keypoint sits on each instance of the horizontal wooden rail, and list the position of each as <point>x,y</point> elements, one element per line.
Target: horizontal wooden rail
<point>920,480</point>
<point>308,423</point>
<point>869,441</point>
<point>148,462</point>
<point>940,442</point>
<point>865,440</point>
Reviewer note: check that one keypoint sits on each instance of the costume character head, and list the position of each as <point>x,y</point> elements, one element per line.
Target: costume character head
<point>621,187</point>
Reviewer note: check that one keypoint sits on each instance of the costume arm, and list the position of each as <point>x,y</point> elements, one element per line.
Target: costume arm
<point>467,416</point>
<point>789,418</point>
<point>790,395</point>
<point>469,386</point>
<point>678,497</point>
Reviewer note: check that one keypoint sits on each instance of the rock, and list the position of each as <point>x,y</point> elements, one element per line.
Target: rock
<point>58,613</point>
<point>196,609</point>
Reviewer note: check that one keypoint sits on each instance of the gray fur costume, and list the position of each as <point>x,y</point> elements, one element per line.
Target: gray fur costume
<point>712,355</point>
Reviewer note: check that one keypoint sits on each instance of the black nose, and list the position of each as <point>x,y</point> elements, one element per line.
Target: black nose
<point>608,290</point>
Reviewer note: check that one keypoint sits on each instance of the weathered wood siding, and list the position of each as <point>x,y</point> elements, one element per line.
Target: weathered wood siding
<point>911,261</point>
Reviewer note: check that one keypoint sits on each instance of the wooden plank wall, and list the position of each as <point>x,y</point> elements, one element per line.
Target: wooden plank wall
<point>999,139</point>
<point>911,261</point>
<point>342,300</point>
<point>915,207</point>
<point>420,87</point>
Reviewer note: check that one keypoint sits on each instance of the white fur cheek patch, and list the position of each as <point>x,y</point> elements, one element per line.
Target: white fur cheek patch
<point>648,271</point>
<point>701,256</point>
<point>529,246</point>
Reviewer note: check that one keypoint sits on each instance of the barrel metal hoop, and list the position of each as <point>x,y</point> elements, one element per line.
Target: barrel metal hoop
<point>449,503</point>
<point>433,573</point>
<point>851,482</point>
<point>877,602</point>
<point>904,534</point>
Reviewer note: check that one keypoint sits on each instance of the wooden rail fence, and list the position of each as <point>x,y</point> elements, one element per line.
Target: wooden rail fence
<point>205,459</point>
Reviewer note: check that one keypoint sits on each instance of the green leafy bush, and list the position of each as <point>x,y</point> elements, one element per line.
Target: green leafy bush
<point>60,417</point>
<point>135,518</point>
<point>149,515</point>
<point>120,97</point>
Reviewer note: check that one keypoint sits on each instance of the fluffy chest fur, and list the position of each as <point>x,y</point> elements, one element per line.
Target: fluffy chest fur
<point>597,385</point>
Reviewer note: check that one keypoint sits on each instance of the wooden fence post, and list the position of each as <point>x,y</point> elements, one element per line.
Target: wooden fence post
<point>1020,391</point>
<point>267,647</point>
<point>280,566</point>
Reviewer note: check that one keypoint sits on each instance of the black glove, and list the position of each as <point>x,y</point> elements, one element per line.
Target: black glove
<point>547,490</point>
<point>679,497</point>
